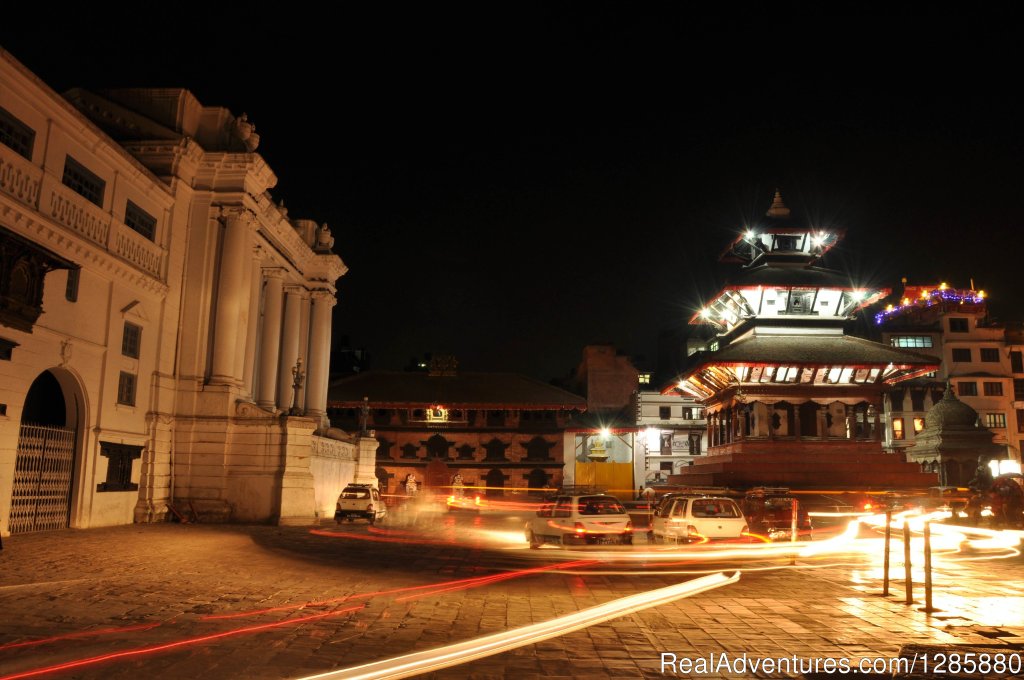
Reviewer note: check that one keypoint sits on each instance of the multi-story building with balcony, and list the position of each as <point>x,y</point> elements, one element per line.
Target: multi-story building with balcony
<point>952,325</point>
<point>164,325</point>
<point>671,432</point>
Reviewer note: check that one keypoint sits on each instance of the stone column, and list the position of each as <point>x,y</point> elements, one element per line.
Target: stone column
<point>270,342</point>
<point>305,312</point>
<point>289,346</point>
<point>319,353</point>
<point>252,331</point>
<point>232,288</point>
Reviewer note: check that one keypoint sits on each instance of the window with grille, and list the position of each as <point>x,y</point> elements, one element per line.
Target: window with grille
<point>664,412</point>
<point>15,134</point>
<point>958,325</point>
<point>131,340</point>
<point>1018,389</point>
<point>967,389</point>
<point>993,389</point>
<point>897,429</point>
<point>918,425</point>
<point>119,466</point>
<point>995,420</point>
<point>989,354</point>
<point>83,181</point>
<point>1016,362</point>
<point>962,355</point>
<point>126,389</point>
<point>1020,420</point>
<point>140,221</point>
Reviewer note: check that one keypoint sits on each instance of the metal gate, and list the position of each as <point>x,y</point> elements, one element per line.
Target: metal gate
<point>42,479</point>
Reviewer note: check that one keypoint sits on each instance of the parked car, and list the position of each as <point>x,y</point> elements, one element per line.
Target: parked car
<point>685,518</point>
<point>580,519</point>
<point>360,501</point>
<point>769,511</point>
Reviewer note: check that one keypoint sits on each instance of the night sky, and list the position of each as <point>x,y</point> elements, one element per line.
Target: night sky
<point>508,183</point>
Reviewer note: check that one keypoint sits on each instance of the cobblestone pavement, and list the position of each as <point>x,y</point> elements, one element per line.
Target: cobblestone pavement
<point>124,590</point>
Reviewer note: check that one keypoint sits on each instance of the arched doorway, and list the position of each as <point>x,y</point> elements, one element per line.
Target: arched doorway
<point>495,483</point>
<point>437,477</point>
<point>44,468</point>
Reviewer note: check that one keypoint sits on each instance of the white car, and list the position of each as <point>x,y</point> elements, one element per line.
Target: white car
<point>360,501</point>
<point>686,519</point>
<point>580,519</point>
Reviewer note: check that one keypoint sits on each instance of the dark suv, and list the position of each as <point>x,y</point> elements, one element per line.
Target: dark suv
<point>769,511</point>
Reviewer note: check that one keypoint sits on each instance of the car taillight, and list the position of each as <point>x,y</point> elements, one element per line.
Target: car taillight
<point>337,506</point>
<point>451,500</point>
<point>692,530</point>
<point>629,525</point>
<point>745,529</point>
<point>477,500</point>
<point>369,508</point>
<point>580,529</point>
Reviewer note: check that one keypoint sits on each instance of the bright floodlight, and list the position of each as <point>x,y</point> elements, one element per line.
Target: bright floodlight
<point>857,295</point>
<point>749,234</point>
<point>705,313</point>
<point>605,433</point>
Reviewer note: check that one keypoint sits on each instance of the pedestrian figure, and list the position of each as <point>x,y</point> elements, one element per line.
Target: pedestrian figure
<point>411,485</point>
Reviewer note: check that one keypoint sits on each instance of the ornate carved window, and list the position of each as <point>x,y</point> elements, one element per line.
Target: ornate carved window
<point>119,466</point>
<point>23,269</point>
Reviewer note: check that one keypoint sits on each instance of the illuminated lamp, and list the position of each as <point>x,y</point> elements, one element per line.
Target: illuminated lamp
<point>857,295</point>
<point>705,313</point>
<point>906,301</point>
<point>943,286</point>
<point>749,235</point>
<point>888,308</point>
<point>924,294</point>
<point>981,294</point>
<point>605,433</point>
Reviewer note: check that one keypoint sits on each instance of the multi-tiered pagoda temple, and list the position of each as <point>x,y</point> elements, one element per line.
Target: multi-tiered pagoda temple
<point>791,399</point>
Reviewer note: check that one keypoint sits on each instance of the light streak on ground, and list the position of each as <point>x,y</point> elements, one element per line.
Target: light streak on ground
<point>429,588</point>
<point>452,655</point>
<point>80,634</point>
<point>152,649</point>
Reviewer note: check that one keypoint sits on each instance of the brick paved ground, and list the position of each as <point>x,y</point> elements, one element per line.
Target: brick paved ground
<point>170,576</point>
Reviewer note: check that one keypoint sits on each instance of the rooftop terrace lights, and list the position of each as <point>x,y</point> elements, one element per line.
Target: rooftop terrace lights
<point>928,296</point>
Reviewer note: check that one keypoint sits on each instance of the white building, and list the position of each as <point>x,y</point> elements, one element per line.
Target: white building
<point>671,432</point>
<point>154,302</point>
<point>954,326</point>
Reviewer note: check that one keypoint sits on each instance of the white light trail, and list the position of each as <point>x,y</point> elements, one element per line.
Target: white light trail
<point>452,655</point>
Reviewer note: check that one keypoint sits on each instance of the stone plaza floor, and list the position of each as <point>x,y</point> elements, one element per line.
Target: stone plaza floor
<point>230,601</point>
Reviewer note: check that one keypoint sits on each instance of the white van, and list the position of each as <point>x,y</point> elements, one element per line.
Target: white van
<point>580,519</point>
<point>687,519</point>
